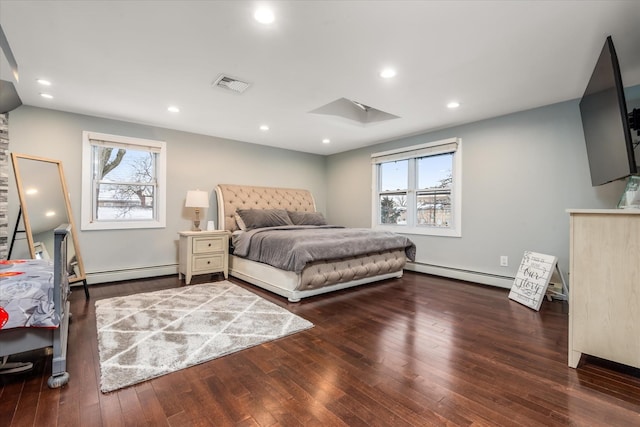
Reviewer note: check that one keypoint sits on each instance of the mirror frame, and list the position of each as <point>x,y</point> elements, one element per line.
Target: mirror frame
<point>81,276</point>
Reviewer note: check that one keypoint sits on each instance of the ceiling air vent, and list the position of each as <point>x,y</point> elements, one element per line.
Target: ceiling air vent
<point>230,83</point>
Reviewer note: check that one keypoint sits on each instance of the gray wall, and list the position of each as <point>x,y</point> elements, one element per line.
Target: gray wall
<point>520,173</point>
<point>193,161</point>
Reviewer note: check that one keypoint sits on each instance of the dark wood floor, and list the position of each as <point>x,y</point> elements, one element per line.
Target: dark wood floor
<point>420,350</point>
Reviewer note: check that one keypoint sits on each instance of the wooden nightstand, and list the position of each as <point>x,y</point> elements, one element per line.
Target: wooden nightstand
<point>203,252</point>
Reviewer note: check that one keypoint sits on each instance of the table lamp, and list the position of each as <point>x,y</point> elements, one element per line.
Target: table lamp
<point>197,199</point>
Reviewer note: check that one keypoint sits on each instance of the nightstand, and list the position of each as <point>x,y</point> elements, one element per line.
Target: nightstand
<point>203,252</point>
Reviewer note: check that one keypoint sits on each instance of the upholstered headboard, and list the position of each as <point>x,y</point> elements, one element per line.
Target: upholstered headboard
<point>232,197</point>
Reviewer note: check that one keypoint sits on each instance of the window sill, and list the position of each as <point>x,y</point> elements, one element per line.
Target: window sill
<point>121,225</point>
<point>425,231</point>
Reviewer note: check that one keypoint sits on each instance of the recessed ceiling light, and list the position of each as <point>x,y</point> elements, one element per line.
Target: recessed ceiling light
<point>31,191</point>
<point>44,82</point>
<point>50,213</point>
<point>326,141</point>
<point>264,16</point>
<point>46,95</point>
<point>453,104</point>
<point>264,128</point>
<point>173,109</point>
<point>388,73</point>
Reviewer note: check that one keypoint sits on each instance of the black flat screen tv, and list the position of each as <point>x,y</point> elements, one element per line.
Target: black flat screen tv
<point>605,121</point>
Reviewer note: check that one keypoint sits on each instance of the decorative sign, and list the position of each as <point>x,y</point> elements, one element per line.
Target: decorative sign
<point>532,279</point>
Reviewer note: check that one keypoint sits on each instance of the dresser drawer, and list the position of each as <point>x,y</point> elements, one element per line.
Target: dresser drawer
<point>207,263</point>
<point>208,244</point>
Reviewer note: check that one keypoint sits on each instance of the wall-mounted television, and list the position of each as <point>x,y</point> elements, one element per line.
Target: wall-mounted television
<point>605,121</point>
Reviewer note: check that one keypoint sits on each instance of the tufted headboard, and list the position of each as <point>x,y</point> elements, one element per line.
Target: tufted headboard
<point>232,197</point>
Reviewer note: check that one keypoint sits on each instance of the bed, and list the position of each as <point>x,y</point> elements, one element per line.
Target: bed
<point>34,310</point>
<point>305,275</point>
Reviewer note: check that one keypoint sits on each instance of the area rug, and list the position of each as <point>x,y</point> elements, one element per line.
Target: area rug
<point>144,336</point>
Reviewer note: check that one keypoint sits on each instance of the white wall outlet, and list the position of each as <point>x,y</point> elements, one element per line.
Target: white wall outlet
<point>504,261</point>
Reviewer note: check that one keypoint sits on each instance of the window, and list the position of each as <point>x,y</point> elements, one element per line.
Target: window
<point>123,182</point>
<point>416,189</point>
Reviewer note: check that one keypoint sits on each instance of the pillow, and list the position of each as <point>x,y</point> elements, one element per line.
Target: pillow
<point>307,218</point>
<point>258,218</point>
<point>240,222</point>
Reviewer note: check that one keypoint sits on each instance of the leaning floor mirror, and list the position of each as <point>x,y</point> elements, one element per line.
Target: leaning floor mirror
<point>44,205</point>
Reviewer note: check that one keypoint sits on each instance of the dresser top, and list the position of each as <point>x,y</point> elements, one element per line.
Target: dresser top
<point>605,211</point>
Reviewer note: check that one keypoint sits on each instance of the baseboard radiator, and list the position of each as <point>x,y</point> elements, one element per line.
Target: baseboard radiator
<point>461,274</point>
<point>436,270</point>
<point>131,273</point>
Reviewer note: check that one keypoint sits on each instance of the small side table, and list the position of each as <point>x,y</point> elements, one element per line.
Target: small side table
<point>203,252</point>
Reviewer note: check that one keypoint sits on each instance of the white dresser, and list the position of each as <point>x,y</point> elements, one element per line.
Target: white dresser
<point>203,252</point>
<point>604,292</point>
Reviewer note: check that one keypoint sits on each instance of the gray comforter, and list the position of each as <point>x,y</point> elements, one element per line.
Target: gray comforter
<point>292,247</point>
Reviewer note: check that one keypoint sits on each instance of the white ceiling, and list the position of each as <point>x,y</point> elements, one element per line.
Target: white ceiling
<point>130,60</point>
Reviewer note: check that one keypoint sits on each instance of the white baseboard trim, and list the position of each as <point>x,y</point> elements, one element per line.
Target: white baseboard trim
<point>455,273</point>
<point>131,273</point>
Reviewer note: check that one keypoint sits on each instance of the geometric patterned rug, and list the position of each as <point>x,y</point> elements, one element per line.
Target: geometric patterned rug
<point>144,336</point>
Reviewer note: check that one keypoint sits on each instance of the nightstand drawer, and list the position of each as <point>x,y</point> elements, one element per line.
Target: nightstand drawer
<point>208,244</point>
<point>208,263</point>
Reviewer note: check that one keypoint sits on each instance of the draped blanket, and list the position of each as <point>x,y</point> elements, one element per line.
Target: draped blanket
<point>292,247</point>
<point>26,294</point>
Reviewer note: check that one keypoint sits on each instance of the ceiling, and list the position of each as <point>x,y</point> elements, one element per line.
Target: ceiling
<point>130,60</point>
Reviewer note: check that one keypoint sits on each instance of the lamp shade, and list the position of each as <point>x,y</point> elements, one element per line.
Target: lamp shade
<point>197,199</point>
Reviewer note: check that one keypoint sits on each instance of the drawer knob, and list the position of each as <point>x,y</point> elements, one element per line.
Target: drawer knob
<point>209,245</point>
<point>208,262</point>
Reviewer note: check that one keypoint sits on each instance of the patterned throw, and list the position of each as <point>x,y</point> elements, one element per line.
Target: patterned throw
<point>26,294</point>
<point>144,336</point>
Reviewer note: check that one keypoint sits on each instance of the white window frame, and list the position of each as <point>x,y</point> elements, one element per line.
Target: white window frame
<point>90,139</point>
<point>450,145</point>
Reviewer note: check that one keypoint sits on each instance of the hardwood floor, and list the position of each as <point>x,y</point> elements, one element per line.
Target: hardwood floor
<point>418,351</point>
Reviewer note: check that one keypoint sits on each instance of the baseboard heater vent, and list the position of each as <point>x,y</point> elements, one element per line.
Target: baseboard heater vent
<point>131,273</point>
<point>462,274</point>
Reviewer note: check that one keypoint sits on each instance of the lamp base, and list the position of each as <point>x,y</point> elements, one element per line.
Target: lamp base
<point>196,222</point>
